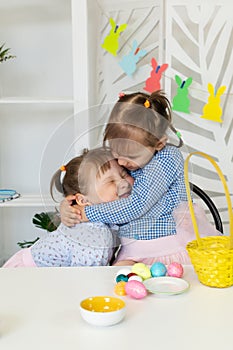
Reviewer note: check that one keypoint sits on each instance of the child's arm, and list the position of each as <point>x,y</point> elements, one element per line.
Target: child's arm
<point>148,189</point>
<point>122,210</point>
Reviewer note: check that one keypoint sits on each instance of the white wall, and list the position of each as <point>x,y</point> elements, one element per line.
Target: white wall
<point>39,33</point>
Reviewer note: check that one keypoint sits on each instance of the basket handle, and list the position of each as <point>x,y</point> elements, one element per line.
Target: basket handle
<point>190,203</point>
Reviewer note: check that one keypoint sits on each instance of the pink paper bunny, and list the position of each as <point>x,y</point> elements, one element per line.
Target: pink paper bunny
<point>110,43</point>
<point>153,82</point>
<point>128,62</point>
<point>212,110</point>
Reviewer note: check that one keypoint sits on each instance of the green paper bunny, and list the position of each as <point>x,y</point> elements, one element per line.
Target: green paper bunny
<point>181,101</point>
<point>111,41</point>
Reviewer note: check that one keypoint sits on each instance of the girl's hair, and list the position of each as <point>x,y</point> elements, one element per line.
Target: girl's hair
<point>149,114</point>
<point>79,172</point>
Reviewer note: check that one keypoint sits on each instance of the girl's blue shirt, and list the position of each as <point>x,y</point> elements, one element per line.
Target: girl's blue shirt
<point>158,189</point>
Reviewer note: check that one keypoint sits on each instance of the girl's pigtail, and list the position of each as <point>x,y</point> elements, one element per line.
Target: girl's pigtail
<point>55,183</point>
<point>161,104</point>
<point>178,134</point>
<point>163,107</point>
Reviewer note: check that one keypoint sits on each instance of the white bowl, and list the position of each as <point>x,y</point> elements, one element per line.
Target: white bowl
<point>102,310</point>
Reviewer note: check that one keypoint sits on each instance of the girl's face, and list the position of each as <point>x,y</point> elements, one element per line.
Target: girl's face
<point>131,154</point>
<point>114,184</point>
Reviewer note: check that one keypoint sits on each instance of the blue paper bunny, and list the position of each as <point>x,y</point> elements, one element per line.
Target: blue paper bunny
<point>128,62</point>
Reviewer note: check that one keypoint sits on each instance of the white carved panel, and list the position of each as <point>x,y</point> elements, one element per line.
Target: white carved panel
<point>144,20</point>
<point>199,39</point>
<point>195,38</point>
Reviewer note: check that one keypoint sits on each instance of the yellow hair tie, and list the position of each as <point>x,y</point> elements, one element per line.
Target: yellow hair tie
<point>147,104</point>
<point>63,168</point>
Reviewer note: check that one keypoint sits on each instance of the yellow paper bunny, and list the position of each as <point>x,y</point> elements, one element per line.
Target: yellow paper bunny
<point>110,43</point>
<point>212,110</point>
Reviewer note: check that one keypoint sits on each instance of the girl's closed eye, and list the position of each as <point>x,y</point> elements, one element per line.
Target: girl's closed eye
<point>124,174</point>
<point>110,180</point>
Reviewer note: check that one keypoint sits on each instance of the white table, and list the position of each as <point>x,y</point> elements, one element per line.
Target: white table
<point>39,310</point>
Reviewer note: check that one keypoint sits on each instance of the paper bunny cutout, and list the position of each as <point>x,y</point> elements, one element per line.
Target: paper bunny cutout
<point>153,82</point>
<point>128,62</point>
<point>181,101</point>
<point>212,110</point>
<point>110,43</point>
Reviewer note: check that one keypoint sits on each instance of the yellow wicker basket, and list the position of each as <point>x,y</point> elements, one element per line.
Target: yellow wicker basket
<point>212,257</point>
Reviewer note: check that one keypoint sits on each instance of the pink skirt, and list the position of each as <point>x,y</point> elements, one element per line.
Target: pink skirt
<point>170,248</point>
<point>23,258</point>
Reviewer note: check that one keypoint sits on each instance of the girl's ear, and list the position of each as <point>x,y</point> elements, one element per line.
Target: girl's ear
<point>81,200</point>
<point>161,143</point>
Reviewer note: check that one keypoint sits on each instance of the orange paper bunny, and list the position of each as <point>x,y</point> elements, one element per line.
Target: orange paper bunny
<point>212,110</point>
<point>153,82</point>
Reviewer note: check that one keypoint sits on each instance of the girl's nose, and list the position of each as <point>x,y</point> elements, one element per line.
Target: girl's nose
<point>122,162</point>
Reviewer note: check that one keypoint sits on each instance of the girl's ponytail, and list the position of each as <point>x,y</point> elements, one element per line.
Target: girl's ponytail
<point>163,107</point>
<point>161,104</point>
<point>178,135</point>
<point>56,184</point>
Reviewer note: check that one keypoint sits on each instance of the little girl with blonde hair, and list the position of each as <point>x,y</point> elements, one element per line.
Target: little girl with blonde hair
<point>94,177</point>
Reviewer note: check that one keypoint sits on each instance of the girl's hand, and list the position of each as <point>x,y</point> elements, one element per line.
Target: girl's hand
<point>70,215</point>
<point>81,209</point>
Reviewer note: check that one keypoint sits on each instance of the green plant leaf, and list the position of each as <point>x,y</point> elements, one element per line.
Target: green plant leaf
<point>48,221</point>
<point>27,244</point>
<point>4,54</point>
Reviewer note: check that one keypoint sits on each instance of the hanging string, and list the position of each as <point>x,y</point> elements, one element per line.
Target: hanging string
<point>108,18</point>
<point>196,89</point>
<point>164,75</point>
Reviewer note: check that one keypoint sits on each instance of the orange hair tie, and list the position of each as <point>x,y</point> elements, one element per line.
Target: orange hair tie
<point>147,104</point>
<point>63,168</point>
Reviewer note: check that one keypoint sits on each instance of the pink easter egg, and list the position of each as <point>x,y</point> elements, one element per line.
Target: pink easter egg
<point>175,270</point>
<point>135,289</point>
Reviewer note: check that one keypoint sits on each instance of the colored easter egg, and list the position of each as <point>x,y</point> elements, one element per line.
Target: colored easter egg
<point>135,289</point>
<point>121,277</point>
<point>124,271</point>
<point>141,270</point>
<point>131,274</point>
<point>119,288</point>
<point>175,270</point>
<point>135,278</point>
<point>158,269</point>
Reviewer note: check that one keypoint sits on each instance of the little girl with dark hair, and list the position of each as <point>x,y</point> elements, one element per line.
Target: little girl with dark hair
<point>152,225</point>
